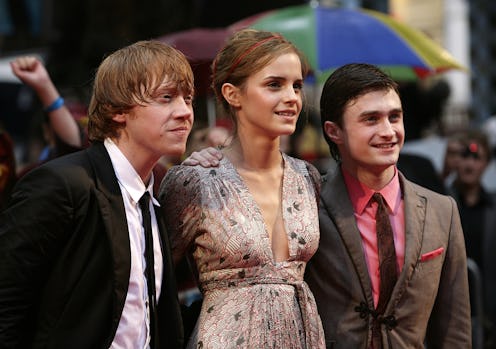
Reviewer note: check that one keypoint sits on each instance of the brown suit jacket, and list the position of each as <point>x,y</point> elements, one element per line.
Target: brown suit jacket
<point>430,302</point>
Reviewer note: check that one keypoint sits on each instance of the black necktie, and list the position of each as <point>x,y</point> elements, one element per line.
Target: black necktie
<point>144,203</point>
<point>387,265</point>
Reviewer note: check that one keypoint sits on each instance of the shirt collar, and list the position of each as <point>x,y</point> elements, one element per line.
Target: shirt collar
<point>360,194</point>
<point>126,174</point>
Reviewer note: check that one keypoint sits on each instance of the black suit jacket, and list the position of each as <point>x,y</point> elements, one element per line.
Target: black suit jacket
<point>65,259</point>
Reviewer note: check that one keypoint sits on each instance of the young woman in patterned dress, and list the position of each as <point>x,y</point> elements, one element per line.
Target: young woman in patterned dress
<point>251,224</point>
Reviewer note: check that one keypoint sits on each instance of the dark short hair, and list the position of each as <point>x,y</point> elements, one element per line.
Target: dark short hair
<point>346,84</point>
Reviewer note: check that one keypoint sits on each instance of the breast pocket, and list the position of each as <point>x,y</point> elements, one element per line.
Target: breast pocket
<point>430,261</point>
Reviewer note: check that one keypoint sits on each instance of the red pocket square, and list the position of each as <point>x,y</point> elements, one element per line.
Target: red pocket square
<point>430,255</point>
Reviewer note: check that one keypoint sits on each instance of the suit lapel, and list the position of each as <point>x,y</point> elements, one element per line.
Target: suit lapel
<point>335,200</point>
<point>415,211</point>
<point>114,216</point>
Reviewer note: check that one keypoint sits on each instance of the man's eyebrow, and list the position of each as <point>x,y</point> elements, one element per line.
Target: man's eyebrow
<point>166,89</point>
<point>370,113</point>
<point>396,110</point>
<point>380,112</point>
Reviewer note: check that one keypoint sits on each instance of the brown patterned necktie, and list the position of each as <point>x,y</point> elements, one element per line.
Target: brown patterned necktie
<point>387,265</point>
<point>144,203</point>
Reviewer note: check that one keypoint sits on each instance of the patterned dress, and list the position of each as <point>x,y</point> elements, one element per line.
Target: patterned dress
<point>249,300</point>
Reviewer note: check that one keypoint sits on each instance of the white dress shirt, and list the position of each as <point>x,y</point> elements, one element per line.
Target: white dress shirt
<point>133,329</point>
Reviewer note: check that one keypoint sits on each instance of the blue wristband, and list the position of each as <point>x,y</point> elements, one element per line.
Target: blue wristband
<point>58,103</point>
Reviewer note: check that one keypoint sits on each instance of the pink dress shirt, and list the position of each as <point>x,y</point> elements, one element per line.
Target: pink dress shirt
<point>365,210</point>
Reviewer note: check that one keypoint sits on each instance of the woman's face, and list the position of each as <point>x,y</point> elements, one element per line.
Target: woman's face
<point>270,101</point>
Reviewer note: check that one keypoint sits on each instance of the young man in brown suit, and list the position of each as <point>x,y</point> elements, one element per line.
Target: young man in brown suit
<point>362,119</point>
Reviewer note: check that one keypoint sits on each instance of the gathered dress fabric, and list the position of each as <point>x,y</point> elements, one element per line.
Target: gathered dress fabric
<point>249,299</point>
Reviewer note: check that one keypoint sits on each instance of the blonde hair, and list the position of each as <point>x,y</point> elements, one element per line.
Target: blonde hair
<point>130,76</point>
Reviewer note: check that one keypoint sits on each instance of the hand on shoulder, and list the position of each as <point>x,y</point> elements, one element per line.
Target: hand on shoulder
<point>207,157</point>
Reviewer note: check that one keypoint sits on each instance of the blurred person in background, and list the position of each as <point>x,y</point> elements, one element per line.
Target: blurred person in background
<point>8,168</point>
<point>59,127</point>
<point>61,130</point>
<point>477,208</point>
<point>489,176</point>
<point>452,156</point>
<point>216,136</point>
<point>420,170</point>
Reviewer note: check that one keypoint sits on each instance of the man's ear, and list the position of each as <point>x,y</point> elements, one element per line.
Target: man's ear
<point>231,94</point>
<point>120,118</point>
<point>333,131</point>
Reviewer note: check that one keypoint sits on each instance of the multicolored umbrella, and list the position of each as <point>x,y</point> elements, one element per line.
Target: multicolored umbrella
<point>333,36</point>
